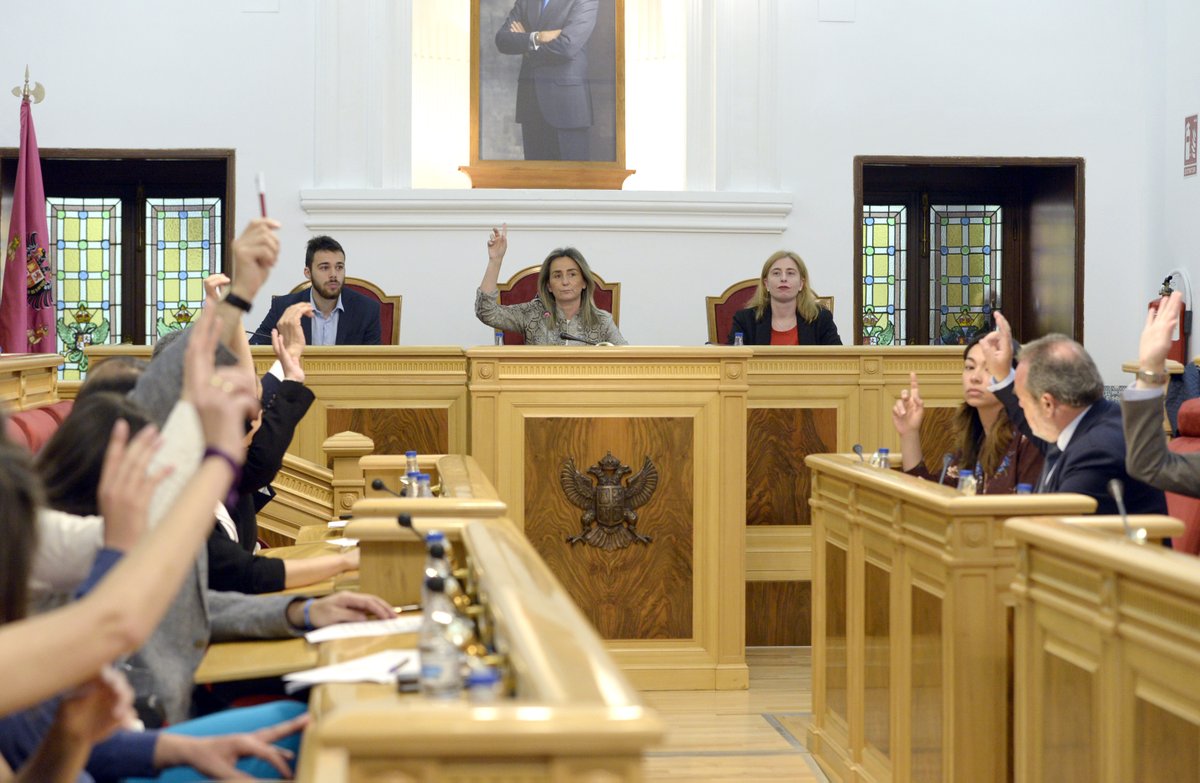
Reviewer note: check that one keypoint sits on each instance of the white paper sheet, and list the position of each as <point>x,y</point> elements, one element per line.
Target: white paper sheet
<point>381,667</point>
<point>409,624</point>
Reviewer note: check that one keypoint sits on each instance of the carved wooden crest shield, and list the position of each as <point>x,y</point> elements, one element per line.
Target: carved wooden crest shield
<point>609,520</point>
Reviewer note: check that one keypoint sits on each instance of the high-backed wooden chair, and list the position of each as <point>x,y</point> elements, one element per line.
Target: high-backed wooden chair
<point>722,308</point>
<point>522,287</point>
<point>389,307</point>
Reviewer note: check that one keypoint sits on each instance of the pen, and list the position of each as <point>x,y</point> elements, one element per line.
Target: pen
<point>261,182</point>
<point>406,608</point>
<point>399,665</point>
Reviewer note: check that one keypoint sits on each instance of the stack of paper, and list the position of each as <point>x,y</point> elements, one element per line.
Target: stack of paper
<point>382,667</point>
<point>409,624</point>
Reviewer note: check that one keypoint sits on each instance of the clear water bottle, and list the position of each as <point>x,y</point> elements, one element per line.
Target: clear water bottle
<point>499,337</point>
<point>882,459</point>
<point>483,685</point>
<point>971,483</point>
<point>410,484</point>
<point>441,668</point>
<point>437,563</point>
<point>738,338</point>
<point>424,487</point>
<point>410,458</point>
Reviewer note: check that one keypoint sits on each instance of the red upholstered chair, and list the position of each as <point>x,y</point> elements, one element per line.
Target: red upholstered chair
<point>722,308</point>
<point>1182,506</point>
<point>13,433</point>
<point>389,307</point>
<point>60,410</point>
<point>37,426</point>
<point>522,287</point>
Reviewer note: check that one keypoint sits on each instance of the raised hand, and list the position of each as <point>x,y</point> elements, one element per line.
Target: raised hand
<point>909,410</point>
<point>997,349</point>
<point>213,285</point>
<point>255,252</point>
<point>287,338</point>
<point>1155,342</point>
<point>498,244</point>
<point>126,485</point>
<point>224,398</point>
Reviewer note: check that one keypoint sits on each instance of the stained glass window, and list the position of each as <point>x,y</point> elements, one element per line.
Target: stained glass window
<point>964,270</point>
<point>884,274</point>
<point>85,246</point>
<point>183,246</point>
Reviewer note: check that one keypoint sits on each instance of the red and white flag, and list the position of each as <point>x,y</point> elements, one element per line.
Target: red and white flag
<point>27,314</point>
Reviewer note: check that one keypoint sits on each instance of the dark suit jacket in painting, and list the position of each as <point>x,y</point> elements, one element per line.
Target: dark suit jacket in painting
<point>555,76</point>
<point>357,325</point>
<point>1146,449</point>
<point>1095,455</point>
<point>822,331</point>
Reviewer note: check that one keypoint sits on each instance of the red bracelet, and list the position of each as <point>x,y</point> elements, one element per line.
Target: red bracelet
<point>232,497</point>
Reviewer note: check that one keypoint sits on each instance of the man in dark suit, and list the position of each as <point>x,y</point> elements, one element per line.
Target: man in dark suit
<point>554,101</point>
<point>340,316</point>
<point>1056,397</point>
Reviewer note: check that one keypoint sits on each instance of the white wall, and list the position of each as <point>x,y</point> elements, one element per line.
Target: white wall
<point>988,78</point>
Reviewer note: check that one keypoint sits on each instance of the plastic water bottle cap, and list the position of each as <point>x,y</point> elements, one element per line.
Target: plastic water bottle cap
<point>410,453</point>
<point>435,536</point>
<point>422,477</point>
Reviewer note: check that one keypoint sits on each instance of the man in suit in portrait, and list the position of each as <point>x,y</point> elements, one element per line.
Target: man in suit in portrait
<point>554,101</point>
<point>1056,397</point>
<point>1147,456</point>
<point>340,316</point>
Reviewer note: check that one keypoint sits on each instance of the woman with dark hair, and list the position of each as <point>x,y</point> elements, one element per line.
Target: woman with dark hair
<point>983,434</point>
<point>565,302</point>
<point>784,309</point>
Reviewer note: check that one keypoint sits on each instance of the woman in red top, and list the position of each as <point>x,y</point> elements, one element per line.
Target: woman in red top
<point>784,310</point>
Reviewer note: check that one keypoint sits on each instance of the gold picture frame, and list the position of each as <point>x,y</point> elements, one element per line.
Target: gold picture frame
<point>499,79</point>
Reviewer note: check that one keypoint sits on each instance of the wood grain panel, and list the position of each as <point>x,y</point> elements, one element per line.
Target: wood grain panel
<point>395,430</point>
<point>778,614</point>
<point>937,437</point>
<point>777,480</point>
<point>645,590</point>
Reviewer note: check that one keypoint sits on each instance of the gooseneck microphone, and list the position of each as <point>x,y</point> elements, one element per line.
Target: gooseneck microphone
<point>566,336</point>
<point>947,458</point>
<point>404,520</point>
<point>1117,489</point>
<point>858,449</point>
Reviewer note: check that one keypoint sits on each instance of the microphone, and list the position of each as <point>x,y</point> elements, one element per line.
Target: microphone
<point>566,336</point>
<point>947,458</point>
<point>404,520</point>
<point>858,449</point>
<point>1117,489</point>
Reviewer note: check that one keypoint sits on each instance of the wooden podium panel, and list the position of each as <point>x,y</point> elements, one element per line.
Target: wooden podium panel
<point>911,624</point>
<point>671,610</point>
<point>1107,650</point>
<point>28,380</point>
<point>819,400</point>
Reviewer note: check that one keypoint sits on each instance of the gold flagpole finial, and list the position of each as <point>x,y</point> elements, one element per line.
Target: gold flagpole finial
<point>25,93</point>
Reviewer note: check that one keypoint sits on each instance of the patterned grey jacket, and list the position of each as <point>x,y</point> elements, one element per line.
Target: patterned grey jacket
<point>538,326</point>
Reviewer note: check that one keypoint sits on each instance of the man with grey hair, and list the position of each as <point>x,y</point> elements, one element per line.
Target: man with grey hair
<point>1056,397</point>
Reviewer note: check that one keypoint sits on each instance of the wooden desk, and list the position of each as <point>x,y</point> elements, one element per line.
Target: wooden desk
<point>574,717</point>
<point>911,618</point>
<point>28,380</point>
<point>671,610</point>
<point>1107,650</point>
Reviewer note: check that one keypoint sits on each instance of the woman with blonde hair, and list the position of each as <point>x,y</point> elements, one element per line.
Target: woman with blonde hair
<point>564,309</point>
<point>784,309</point>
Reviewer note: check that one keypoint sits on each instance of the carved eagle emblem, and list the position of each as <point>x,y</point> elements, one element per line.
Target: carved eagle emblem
<point>609,520</point>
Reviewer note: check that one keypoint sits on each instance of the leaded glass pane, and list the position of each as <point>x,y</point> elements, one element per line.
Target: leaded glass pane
<point>964,270</point>
<point>884,274</point>
<point>85,248</point>
<point>183,246</point>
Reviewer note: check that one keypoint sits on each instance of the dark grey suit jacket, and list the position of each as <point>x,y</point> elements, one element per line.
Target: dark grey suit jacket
<point>1146,455</point>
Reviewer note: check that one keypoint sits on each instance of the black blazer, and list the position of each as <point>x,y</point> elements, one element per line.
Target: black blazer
<point>357,325</point>
<point>1095,455</point>
<point>822,331</point>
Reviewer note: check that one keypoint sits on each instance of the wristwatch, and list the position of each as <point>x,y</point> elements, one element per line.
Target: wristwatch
<point>238,302</point>
<point>1152,378</point>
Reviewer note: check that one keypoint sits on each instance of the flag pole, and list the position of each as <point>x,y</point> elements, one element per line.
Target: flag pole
<point>37,93</point>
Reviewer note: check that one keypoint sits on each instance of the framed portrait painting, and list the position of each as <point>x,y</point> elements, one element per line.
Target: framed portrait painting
<point>547,94</point>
